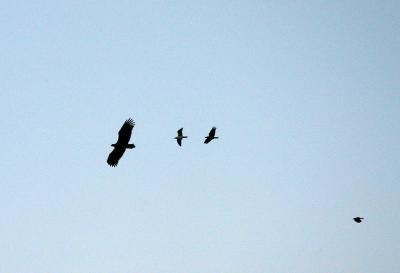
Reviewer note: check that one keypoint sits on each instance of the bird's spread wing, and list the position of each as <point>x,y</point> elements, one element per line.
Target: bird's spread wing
<point>212,132</point>
<point>180,132</point>
<point>208,139</point>
<point>179,140</point>
<point>124,134</point>
<point>114,156</point>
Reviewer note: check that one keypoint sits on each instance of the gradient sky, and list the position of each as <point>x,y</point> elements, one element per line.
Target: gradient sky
<point>306,99</point>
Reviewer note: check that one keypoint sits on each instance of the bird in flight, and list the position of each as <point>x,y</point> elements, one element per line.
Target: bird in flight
<point>180,137</point>
<point>124,135</point>
<point>211,135</point>
<point>358,219</point>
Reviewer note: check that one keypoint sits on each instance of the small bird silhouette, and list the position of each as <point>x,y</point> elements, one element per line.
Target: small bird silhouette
<point>358,219</point>
<point>124,135</point>
<point>180,137</point>
<point>211,135</point>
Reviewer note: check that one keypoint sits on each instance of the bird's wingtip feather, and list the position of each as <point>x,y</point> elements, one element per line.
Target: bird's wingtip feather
<point>130,122</point>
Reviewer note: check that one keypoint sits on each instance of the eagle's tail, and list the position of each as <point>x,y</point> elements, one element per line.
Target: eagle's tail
<point>130,146</point>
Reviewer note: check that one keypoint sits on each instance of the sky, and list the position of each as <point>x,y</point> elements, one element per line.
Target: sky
<point>306,100</point>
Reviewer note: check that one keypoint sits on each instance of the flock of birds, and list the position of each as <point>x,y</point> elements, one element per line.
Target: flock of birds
<point>124,135</point>
<point>211,136</point>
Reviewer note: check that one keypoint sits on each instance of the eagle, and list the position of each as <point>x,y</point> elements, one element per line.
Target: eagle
<point>124,135</point>
<point>358,219</point>
<point>211,135</point>
<point>180,137</point>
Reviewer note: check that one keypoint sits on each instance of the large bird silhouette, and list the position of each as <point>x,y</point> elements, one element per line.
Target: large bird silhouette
<point>211,135</point>
<point>180,136</point>
<point>124,135</point>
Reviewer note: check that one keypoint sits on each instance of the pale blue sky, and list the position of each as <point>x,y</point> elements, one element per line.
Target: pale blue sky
<point>306,99</point>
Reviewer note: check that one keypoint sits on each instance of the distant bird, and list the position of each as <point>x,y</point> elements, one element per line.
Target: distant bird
<point>124,135</point>
<point>211,135</point>
<point>358,219</point>
<point>180,137</point>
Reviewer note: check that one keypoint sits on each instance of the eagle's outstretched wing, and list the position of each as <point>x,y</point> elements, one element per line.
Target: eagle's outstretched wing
<point>124,134</point>
<point>179,140</point>
<point>114,156</point>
